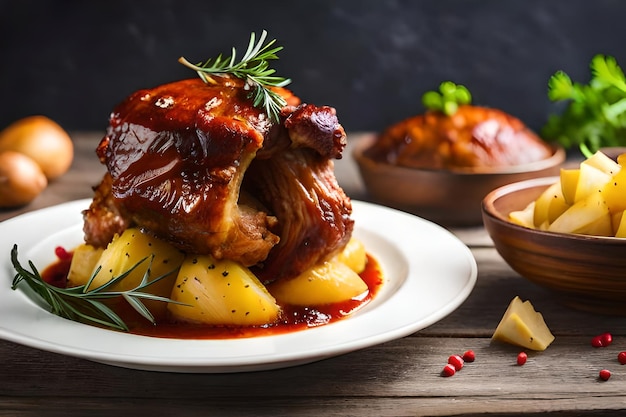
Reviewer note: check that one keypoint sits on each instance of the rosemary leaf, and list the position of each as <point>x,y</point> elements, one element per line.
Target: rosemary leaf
<point>83,304</point>
<point>254,68</point>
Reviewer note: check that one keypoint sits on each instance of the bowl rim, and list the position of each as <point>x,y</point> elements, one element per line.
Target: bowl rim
<point>488,210</point>
<point>557,158</point>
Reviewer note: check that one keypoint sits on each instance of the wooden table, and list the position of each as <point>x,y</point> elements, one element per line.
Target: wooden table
<point>397,378</point>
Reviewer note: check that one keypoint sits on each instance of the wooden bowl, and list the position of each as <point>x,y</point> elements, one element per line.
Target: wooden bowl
<point>450,198</point>
<point>584,272</point>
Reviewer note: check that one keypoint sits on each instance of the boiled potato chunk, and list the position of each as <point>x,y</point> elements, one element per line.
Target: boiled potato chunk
<point>601,227</point>
<point>524,217</point>
<point>591,200</point>
<point>542,205</point>
<point>590,181</point>
<point>220,293</point>
<point>84,261</point>
<point>603,163</point>
<point>585,215</point>
<point>354,255</point>
<point>521,325</point>
<point>615,192</point>
<point>569,181</point>
<point>550,205</point>
<point>331,282</point>
<point>126,251</point>
<point>620,230</point>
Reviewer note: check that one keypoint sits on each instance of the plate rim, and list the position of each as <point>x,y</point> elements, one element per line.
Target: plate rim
<point>242,363</point>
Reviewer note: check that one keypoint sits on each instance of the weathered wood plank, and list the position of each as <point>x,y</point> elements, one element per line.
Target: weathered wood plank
<point>277,406</point>
<point>408,367</point>
<point>396,378</point>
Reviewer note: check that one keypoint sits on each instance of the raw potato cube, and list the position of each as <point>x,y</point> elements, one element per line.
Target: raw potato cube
<point>129,248</point>
<point>521,325</point>
<point>220,293</point>
<point>331,282</point>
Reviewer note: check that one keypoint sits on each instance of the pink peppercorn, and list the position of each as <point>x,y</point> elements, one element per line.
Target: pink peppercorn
<point>521,358</point>
<point>62,254</point>
<point>448,370</point>
<point>602,340</point>
<point>469,356</point>
<point>456,361</point>
<point>605,374</point>
<point>596,342</point>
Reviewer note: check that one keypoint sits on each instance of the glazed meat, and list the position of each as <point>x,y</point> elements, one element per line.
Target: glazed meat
<point>199,166</point>
<point>472,137</point>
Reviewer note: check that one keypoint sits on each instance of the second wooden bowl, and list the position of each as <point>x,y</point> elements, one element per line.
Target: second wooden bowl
<point>585,272</point>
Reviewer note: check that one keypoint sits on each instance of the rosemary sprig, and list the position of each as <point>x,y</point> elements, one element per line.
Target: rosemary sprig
<point>83,304</point>
<point>254,68</point>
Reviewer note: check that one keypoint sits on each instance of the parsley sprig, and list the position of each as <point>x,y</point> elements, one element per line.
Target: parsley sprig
<point>83,304</point>
<point>254,68</point>
<point>448,99</point>
<point>595,113</point>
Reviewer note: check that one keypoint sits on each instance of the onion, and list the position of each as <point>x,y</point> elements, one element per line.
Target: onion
<point>21,179</point>
<point>41,139</point>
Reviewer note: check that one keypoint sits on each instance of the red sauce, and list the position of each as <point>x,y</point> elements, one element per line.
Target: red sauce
<point>293,318</point>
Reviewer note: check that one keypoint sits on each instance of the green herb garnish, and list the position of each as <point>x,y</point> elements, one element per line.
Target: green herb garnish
<point>82,304</point>
<point>254,68</point>
<point>448,99</point>
<point>595,114</point>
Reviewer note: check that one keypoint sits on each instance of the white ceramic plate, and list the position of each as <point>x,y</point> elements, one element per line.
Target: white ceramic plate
<point>428,272</point>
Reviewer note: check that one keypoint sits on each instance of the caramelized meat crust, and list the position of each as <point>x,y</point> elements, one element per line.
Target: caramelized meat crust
<point>313,212</point>
<point>177,158</point>
<point>103,219</point>
<point>473,137</point>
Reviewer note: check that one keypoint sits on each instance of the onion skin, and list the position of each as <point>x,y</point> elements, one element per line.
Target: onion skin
<point>43,140</point>
<point>21,179</point>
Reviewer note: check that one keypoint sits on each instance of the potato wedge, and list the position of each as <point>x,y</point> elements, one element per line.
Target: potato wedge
<point>602,162</point>
<point>521,325</point>
<point>354,255</point>
<point>584,215</point>
<point>130,248</point>
<point>569,182</point>
<point>220,293</point>
<point>524,217</point>
<point>331,282</point>
<point>620,230</point>
<point>615,192</point>
<point>84,261</point>
<point>550,205</point>
<point>591,180</point>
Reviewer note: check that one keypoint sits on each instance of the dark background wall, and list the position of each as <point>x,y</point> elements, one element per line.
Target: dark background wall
<point>372,60</point>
